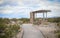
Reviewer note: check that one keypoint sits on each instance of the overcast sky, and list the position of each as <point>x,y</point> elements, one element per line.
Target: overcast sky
<point>22,8</point>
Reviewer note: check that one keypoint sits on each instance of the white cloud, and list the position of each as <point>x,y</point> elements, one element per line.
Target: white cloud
<point>25,6</point>
<point>1,1</point>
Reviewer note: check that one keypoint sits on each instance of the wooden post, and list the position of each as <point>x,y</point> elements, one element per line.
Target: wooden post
<point>46,15</point>
<point>31,17</point>
<point>43,16</point>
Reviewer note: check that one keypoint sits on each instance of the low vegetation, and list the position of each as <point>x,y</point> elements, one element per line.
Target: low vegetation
<point>25,20</point>
<point>56,20</point>
<point>7,30</point>
<point>57,32</point>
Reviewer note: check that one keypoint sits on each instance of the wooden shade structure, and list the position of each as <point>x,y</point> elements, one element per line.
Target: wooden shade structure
<point>32,14</point>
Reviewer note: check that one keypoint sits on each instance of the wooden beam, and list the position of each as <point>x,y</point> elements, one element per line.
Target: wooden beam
<point>41,11</point>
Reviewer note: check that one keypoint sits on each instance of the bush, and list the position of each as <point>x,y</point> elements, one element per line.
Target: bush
<point>57,33</point>
<point>6,30</point>
<point>9,31</point>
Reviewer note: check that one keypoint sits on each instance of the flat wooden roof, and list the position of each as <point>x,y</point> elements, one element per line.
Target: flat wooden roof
<point>41,11</point>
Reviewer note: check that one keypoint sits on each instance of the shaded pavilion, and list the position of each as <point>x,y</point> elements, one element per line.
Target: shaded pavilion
<point>32,14</point>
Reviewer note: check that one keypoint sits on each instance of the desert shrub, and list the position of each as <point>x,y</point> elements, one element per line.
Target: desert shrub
<point>57,33</point>
<point>25,20</point>
<point>8,31</point>
<point>58,24</point>
<point>54,19</point>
